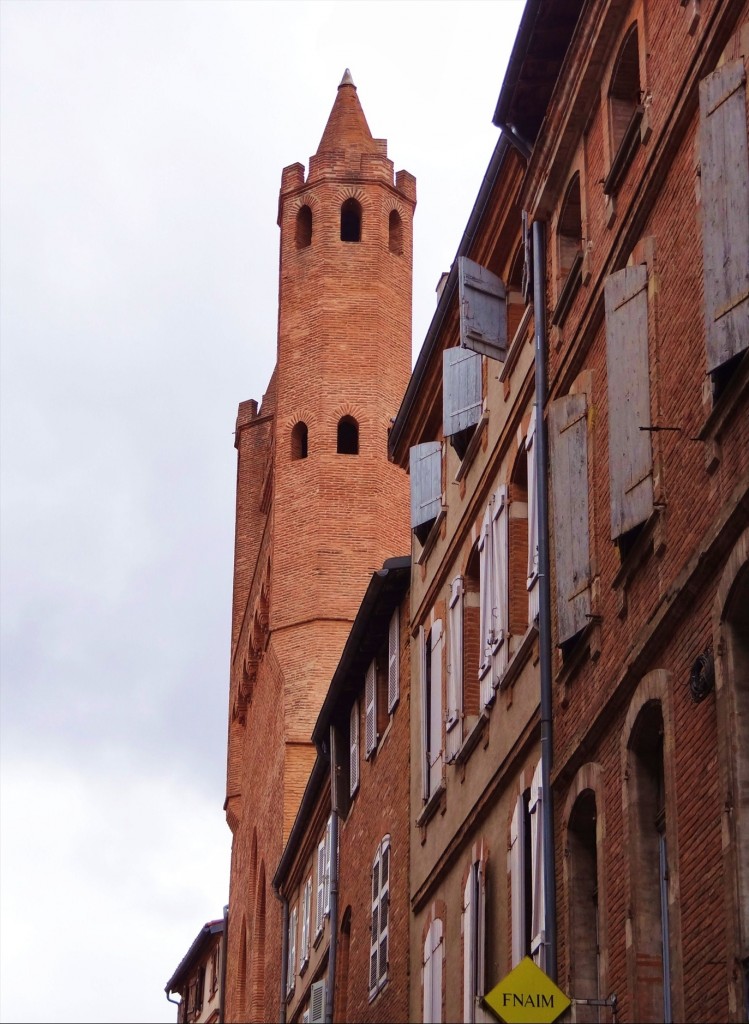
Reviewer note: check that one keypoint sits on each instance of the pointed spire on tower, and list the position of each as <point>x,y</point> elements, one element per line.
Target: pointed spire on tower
<point>347,126</point>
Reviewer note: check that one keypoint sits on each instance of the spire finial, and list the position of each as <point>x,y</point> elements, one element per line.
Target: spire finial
<point>347,79</point>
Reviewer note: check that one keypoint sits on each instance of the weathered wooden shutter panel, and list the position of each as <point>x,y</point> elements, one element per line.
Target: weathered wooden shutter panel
<point>317,1003</point>
<point>393,659</point>
<point>375,929</point>
<point>370,699</point>
<point>538,947</point>
<point>483,310</point>
<point>426,482</point>
<point>426,977</point>
<point>469,947</point>
<point>518,882</point>
<point>568,442</point>
<point>453,738</point>
<point>291,963</point>
<point>486,598</point>
<point>435,707</point>
<point>328,851</point>
<point>384,937</point>
<point>461,390</point>
<point>532,582</point>
<point>500,583</point>
<point>628,371</point>
<point>306,913</point>
<point>354,747</point>
<point>724,186</point>
<point>527,282</point>
<point>437,952</point>
<point>320,905</point>
<point>424,693</point>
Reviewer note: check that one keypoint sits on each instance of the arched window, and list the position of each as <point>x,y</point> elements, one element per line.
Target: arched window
<point>395,233</point>
<point>348,436</point>
<point>624,90</point>
<point>584,924</point>
<point>342,981</point>
<point>304,227</point>
<point>351,221</point>
<point>299,440</point>
<point>569,229</point>
<point>378,951</point>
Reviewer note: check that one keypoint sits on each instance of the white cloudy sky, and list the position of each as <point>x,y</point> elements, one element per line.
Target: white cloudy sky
<point>141,146</point>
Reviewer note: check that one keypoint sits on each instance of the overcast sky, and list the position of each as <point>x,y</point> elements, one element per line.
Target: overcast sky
<point>141,146</point>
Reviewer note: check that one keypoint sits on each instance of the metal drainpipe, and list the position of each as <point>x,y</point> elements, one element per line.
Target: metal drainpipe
<point>333,949</point>
<point>284,953</point>
<point>222,982</point>
<point>544,613</point>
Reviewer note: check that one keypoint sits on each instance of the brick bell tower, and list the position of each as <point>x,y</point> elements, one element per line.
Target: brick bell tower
<point>319,507</point>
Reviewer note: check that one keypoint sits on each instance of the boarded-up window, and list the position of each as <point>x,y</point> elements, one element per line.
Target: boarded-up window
<point>568,437</point>
<point>461,395</point>
<point>426,486</point>
<point>628,371</point>
<point>483,314</point>
<point>725,211</point>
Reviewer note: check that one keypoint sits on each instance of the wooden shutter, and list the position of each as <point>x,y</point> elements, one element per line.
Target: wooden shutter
<point>382,955</point>
<point>479,1013</point>
<point>628,371</point>
<point>568,442</point>
<point>483,310</point>
<point>393,660</point>
<point>486,589</point>
<point>328,845</point>
<point>426,482</point>
<point>538,947</point>
<point>518,881</point>
<point>437,955</point>
<point>724,185</point>
<point>435,706</point>
<point>317,1003</point>
<point>453,728</point>
<point>461,390</point>
<point>426,977</point>
<point>375,929</point>
<point>530,452</point>
<point>306,912</point>
<point>424,693</point>
<point>473,926</point>
<point>370,705</point>
<point>320,905</point>
<point>354,748</point>
<point>291,961</point>
<point>500,549</point>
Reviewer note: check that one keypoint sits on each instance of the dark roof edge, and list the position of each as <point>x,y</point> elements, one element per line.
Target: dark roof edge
<point>394,571</point>
<point>515,63</point>
<point>211,928</point>
<point>317,777</point>
<point>430,341</point>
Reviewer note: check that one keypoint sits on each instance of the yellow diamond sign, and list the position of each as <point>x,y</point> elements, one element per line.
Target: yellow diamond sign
<point>527,995</point>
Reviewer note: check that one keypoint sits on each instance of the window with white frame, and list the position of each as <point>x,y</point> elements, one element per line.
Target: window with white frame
<point>394,660</point>
<point>430,650</point>
<point>525,864</point>
<point>306,921</point>
<point>354,748</point>
<point>323,879</point>
<point>378,953</point>
<point>291,951</point>
<point>473,926</point>
<point>370,705</point>
<point>493,546</point>
<point>431,973</point>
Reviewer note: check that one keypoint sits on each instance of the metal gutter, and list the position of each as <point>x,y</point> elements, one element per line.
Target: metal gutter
<point>544,597</point>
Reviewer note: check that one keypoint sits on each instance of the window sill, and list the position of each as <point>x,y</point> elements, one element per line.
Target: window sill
<point>625,153</point>
<point>432,536</point>
<point>569,289</point>
<point>516,344</point>
<point>519,657</point>
<point>381,986</point>
<point>651,538</point>
<point>723,410</point>
<point>432,805</point>
<point>303,967</point>
<point>472,739</point>
<point>473,446</point>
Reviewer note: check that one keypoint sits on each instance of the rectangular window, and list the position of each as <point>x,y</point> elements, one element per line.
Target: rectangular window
<point>473,926</point>
<point>320,905</point>
<point>378,952</point>
<point>532,520</point>
<point>520,870</point>
<point>291,951</point>
<point>500,551</point>
<point>354,747</point>
<point>370,704</point>
<point>453,725</point>
<point>394,660</point>
<point>306,916</point>
<point>431,974</point>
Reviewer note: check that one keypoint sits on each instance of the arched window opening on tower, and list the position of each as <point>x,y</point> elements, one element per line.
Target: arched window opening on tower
<point>351,221</point>
<point>304,228</point>
<point>395,233</point>
<point>299,441</point>
<point>348,436</point>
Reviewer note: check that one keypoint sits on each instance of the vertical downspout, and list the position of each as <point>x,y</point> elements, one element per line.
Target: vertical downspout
<point>544,596</point>
<point>333,949</point>
<point>222,981</point>
<point>284,952</point>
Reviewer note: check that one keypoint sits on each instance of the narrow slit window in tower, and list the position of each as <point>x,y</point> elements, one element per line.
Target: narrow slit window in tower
<point>304,228</point>
<point>348,436</point>
<point>351,221</point>
<point>299,441</point>
<point>395,233</point>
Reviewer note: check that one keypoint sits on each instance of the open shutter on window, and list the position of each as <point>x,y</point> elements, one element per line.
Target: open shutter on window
<point>328,846</point>
<point>500,583</point>
<point>568,439</point>
<point>530,449</point>
<point>470,952</point>
<point>724,185</point>
<point>426,977</point>
<point>320,906</point>
<point>627,367</point>
<point>480,1013</point>
<point>382,967</point>
<point>354,747</point>
<point>461,390</point>
<point>306,910</point>
<point>393,659</point>
<point>538,947</point>
<point>483,310</point>
<point>454,668</point>
<point>370,703</point>
<point>317,1003</point>
<point>426,482</point>
<point>437,954</point>
<point>291,965</point>
<point>527,281</point>
<point>375,931</point>
<point>485,605</point>
<point>518,882</point>
<point>435,707</point>
<point>424,693</point>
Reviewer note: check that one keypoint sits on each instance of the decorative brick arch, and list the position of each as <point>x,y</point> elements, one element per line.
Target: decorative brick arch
<point>730,622</point>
